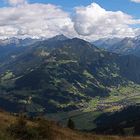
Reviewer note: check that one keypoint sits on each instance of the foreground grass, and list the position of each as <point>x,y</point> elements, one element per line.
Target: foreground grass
<point>50,131</point>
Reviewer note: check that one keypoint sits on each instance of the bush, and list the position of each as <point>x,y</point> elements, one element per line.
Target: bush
<point>71,124</point>
<point>21,131</point>
<point>44,130</point>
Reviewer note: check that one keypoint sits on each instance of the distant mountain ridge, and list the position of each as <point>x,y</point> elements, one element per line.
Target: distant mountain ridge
<point>106,43</point>
<point>121,46</point>
<point>17,42</point>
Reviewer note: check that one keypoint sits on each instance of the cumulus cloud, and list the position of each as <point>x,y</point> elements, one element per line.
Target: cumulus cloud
<point>37,20</point>
<point>137,1</point>
<point>16,2</point>
<point>94,21</point>
<point>34,20</point>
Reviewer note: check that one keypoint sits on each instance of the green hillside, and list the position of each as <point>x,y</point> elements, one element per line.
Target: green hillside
<point>70,75</point>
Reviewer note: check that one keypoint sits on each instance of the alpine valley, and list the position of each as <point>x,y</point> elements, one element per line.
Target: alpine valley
<point>63,78</point>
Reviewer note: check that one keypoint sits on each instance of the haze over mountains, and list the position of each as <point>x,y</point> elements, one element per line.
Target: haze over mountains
<point>120,45</point>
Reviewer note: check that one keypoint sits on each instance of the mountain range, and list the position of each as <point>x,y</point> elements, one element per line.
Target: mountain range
<point>122,46</point>
<point>71,76</point>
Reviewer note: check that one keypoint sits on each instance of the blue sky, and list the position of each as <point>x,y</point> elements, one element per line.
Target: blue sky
<point>123,5</point>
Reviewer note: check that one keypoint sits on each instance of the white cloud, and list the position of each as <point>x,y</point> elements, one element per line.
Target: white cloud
<point>94,22</point>
<point>16,2</point>
<point>137,1</point>
<point>47,20</point>
<point>34,20</point>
